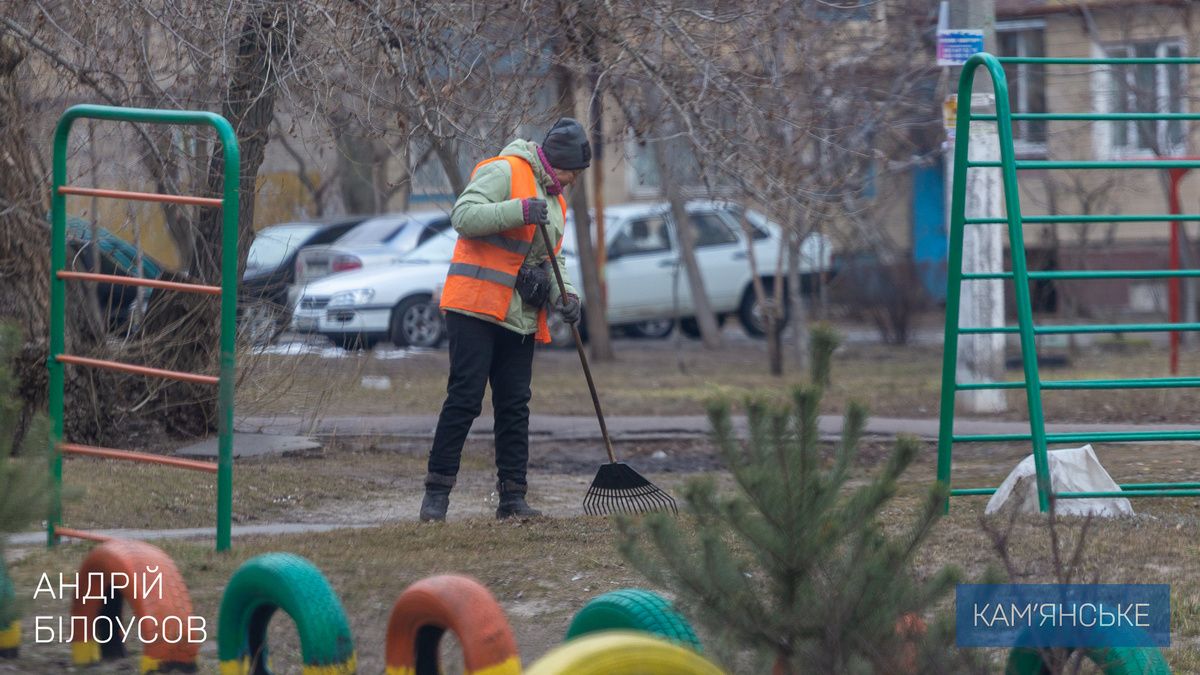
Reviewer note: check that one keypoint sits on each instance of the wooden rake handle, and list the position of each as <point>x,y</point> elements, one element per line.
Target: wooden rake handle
<point>587,372</point>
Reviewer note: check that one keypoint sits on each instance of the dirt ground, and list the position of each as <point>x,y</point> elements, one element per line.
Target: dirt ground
<point>543,571</point>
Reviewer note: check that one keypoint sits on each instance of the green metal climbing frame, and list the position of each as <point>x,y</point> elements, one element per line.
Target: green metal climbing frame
<point>1019,274</point>
<point>59,274</point>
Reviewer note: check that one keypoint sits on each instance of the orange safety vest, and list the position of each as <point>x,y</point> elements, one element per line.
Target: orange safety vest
<point>484,269</point>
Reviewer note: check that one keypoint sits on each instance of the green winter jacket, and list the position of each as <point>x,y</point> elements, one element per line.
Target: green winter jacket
<point>484,208</point>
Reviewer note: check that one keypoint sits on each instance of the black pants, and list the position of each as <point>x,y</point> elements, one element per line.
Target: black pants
<point>480,353</point>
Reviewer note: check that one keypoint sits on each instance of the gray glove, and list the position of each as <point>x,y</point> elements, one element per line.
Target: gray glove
<point>535,211</point>
<point>568,307</point>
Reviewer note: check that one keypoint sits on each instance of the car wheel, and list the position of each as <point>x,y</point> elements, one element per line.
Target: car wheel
<point>752,314</point>
<point>417,322</point>
<point>655,329</point>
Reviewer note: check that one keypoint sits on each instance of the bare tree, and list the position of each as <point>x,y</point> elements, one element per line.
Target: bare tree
<point>241,77</point>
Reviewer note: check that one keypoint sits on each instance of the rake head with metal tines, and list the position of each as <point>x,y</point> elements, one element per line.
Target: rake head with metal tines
<point>617,488</point>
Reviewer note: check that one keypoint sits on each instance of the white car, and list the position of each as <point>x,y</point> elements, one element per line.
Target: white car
<point>393,302</point>
<point>647,287</point>
<point>382,240</point>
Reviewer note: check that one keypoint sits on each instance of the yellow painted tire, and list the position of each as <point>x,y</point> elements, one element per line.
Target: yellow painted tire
<point>10,640</point>
<point>622,653</point>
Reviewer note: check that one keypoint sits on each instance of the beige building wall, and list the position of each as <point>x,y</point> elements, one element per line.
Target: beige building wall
<point>1089,89</point>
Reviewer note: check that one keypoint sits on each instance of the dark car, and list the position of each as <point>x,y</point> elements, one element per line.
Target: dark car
<point>117,257</point>
<point>271,269</point>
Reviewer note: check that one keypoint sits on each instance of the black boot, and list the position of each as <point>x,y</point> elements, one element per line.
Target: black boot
<point>437,497</point>
<point>512,501</point>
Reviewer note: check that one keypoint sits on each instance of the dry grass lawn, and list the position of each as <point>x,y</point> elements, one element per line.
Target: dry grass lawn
<point>543,572</point>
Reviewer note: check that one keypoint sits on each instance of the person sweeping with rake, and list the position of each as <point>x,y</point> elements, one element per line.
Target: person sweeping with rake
<point>495,298</point>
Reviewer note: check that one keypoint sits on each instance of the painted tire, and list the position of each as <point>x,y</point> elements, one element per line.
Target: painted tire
<point>912,629</point>
<point>636,610</point>
<point>622,653</point>
<point>10,640</point>
<point>10,629</point>
<point>432,606</point>
<point>282,581</point>
<point>167,602</point>
<point>1110,660</point>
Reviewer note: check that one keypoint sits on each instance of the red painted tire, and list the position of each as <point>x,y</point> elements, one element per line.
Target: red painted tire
<point>167,650</point>
<point>432,606</point>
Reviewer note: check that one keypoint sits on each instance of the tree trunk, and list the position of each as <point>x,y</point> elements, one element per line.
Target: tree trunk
<point>447,153</point>
<point>795,299</point>
<point>24,241</point>
<point>182,332</point>
<point>355,177</point>
<point>599,338</point>
<point>25,272</point>
<point>710,332</point>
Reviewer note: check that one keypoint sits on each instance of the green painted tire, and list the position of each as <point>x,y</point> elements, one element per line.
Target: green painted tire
<point>282,581</point>
<point>1110,660</point>
<point>636,610</point>
<point>10,627</point>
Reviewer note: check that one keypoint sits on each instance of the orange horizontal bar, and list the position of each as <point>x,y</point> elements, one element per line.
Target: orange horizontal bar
<point>144,457</point>
<point>139,196</point>
<point>138,370</point>
<point>79,534</point>
<point>134,281</point>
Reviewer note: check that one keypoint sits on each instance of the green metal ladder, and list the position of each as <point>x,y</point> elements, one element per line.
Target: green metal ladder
<point>227,291</point>
<point>1025,328</point>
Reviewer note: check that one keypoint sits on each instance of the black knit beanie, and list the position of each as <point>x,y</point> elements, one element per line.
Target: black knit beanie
<point>566,146</point>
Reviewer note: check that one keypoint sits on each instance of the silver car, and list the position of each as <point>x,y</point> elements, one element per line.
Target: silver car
<point>382,240</point>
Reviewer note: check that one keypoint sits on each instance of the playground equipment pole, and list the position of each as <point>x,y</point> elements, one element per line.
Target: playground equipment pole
<point>228,203</point>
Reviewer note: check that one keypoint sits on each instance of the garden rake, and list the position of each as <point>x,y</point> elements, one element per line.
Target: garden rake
<point>617,488</point>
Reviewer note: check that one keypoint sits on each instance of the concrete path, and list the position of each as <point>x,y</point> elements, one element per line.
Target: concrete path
<point>252,445</point>
<point>628,427</point>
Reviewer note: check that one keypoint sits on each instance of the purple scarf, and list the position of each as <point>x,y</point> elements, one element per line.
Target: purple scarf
<point>554,189</point>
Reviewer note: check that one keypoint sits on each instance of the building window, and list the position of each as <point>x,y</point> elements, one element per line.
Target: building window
<point>1147,88</point>
<point>1026,81</point>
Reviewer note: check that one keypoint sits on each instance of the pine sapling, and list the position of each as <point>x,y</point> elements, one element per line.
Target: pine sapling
<point>794,566</point>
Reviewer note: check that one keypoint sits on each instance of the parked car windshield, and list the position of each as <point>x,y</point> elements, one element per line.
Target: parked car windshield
<point>373,231</point>
<point>438,248</point>
<point>274,244</point>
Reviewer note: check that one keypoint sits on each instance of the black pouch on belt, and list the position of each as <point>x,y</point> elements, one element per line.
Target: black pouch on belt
<point>533,284</point>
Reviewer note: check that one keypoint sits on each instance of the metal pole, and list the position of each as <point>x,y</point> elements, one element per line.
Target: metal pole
<point>1175,264</point>
<point>229,282</point>
<point>58,259</point>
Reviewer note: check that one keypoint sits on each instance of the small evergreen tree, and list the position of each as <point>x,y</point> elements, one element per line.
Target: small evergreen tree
<point>795,566</point>
<point>24,480</point>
